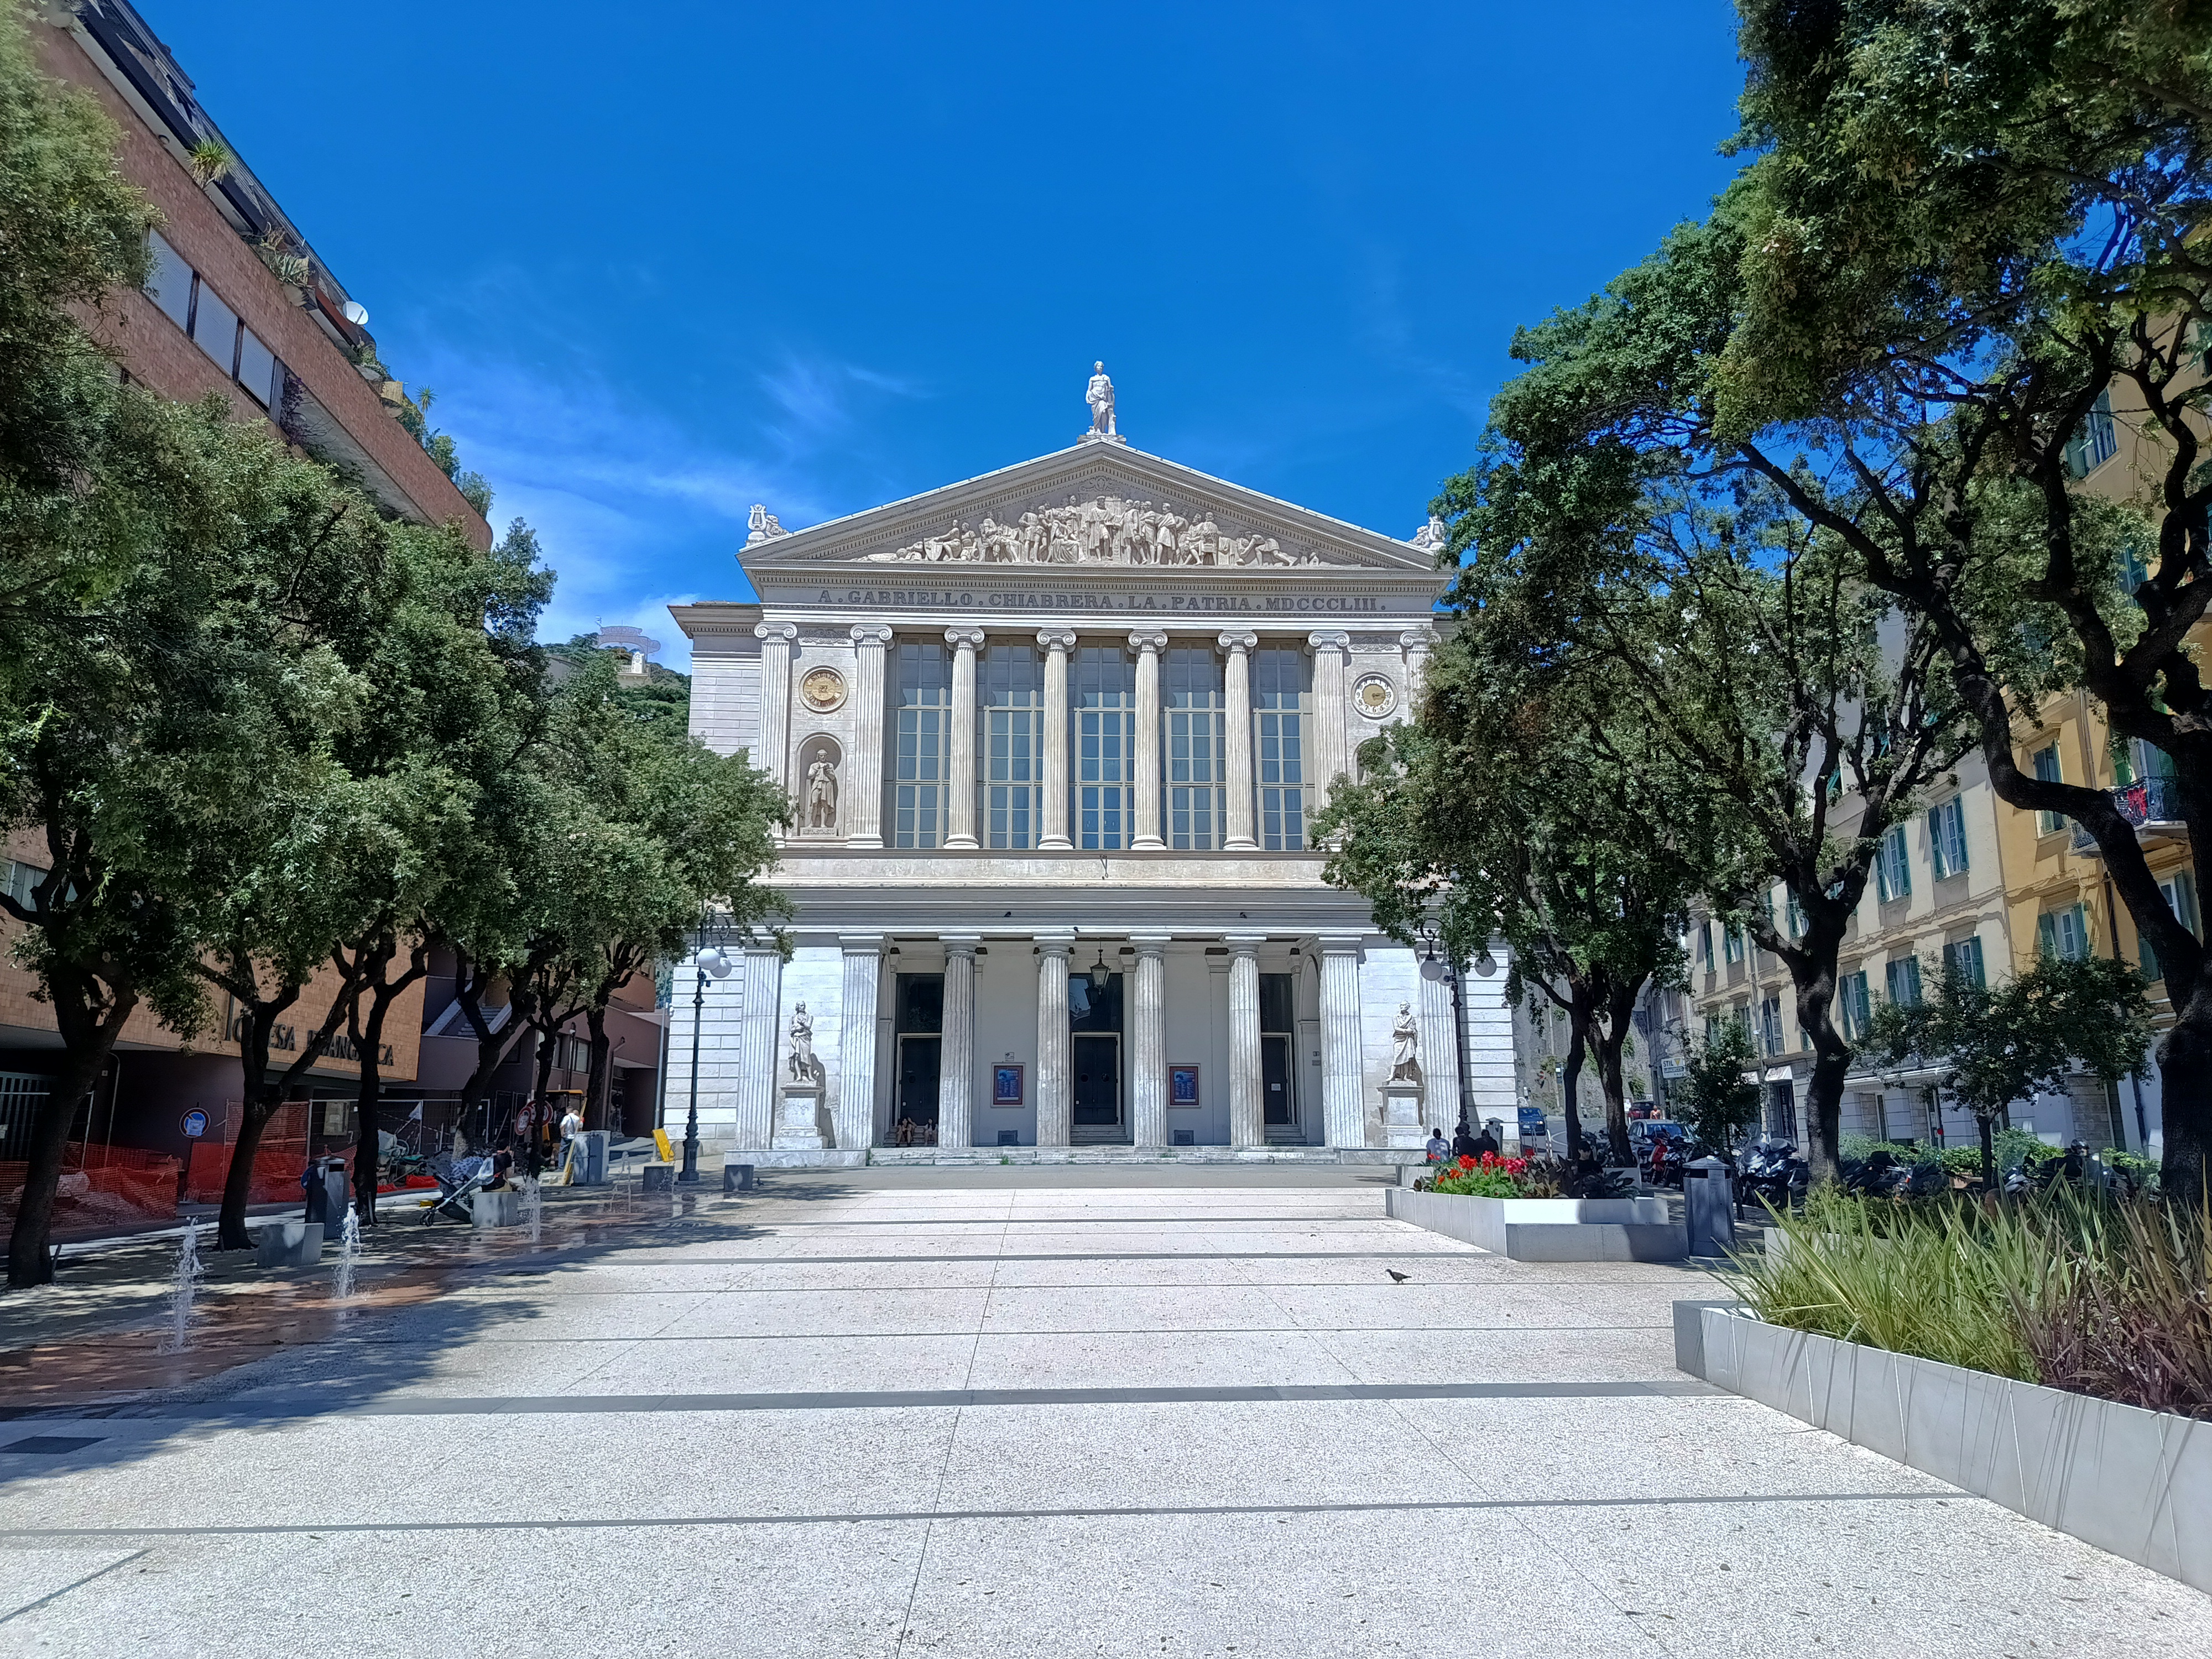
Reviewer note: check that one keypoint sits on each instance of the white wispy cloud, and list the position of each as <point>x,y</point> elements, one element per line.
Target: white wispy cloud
<point>635,509</point>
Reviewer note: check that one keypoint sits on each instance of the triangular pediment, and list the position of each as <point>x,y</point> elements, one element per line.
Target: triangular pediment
<point>1095,505</point>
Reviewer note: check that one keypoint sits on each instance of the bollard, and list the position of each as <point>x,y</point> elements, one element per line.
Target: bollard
<point>1707,1208</point>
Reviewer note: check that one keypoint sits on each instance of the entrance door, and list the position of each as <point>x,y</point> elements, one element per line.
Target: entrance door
<point>1275,1081</point>
<point>1097,1102</point>
<point>917,1079</point>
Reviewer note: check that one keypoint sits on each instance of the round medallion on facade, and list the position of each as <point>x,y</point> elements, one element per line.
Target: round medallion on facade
<point>822,690</point>
<point>1373,695</point>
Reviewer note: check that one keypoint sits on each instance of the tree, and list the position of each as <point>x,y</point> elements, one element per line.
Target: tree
<point>1972,241</point>
<point>1511,807</point>
<point>1716,1099</point>
<point>1619,542</point>
<point>1993,1046</point>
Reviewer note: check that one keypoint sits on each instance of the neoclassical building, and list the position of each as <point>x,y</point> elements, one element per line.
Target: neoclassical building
<point>1054,736</point>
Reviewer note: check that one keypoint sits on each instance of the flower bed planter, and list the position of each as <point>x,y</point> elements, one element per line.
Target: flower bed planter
<point>1548,1229</point>
<point>2134,1482</point>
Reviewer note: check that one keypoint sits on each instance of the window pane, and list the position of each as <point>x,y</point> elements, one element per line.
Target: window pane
<point>215,328</point>
<point>170,287</point>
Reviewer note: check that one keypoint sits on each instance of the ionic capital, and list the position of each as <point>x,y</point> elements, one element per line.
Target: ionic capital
<point>871,636</point>
<point>1330,639</point>
<point>964,639</point>
<point>1056,638</point>
<point>1142,642</point>
<point>1234,643</point>
<point>785,632</point>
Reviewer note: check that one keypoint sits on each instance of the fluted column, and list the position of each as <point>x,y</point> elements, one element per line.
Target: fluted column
<point>1237,734</point>
<point>956,1070</point>
<point>864,778</point>
<point>1331,648</point>
<point>1416,642</point>
<point>1056,643</point>
<point>1439,1053</point>
<point>1054,1100</point>
<point>853,1118</point>
<point>1248,1119</point>
<point>776,640</point>
<point>960,815</point>
<point>1148,1072</point>
<point>759,1026</point>
<point>1343,1113</point>
<point>1148,647</point>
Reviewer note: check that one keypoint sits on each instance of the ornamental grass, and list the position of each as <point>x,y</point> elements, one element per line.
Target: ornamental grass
<point>2065,1288</point>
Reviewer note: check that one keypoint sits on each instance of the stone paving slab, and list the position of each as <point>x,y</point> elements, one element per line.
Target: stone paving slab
<point>853,1415</point>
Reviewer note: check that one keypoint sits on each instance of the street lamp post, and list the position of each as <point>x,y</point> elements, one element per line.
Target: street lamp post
<point>711,961</point>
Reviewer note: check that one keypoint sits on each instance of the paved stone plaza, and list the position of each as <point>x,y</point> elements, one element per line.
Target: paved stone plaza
<point>978,1413</point>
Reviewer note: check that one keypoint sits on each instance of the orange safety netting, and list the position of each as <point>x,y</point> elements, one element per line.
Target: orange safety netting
<point>278,1161</point>
<point>101,1186</point>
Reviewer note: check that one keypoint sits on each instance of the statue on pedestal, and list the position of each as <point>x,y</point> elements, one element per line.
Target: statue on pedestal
<point>1100,397</point>
<point>1404,1062</point>
<point>805,1067</point>
<point>822,794</point>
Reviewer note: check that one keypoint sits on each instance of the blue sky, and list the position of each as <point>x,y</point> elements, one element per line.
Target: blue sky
<point>660,263</point>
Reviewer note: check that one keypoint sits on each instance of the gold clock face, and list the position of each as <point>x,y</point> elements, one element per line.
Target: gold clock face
<point>822,690</point>
<point>1374,697</point>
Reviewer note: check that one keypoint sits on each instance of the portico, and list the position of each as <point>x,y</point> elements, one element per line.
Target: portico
<point>1054,737</point>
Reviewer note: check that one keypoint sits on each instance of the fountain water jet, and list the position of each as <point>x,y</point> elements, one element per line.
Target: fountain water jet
<point>182,1286</point>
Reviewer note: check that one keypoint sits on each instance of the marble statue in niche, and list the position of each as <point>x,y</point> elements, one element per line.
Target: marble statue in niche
<point>822,793</point>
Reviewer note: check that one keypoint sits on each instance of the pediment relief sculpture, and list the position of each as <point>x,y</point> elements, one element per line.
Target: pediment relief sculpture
<point>1105,530</point>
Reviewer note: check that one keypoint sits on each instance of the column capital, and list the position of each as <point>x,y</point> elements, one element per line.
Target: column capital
<point>861,944</point>
<point>1339,944</point>
<point>1244,944</point>
<point>1148,640</point>
<point>1419,638</point>
<point>964,639</point>
<point>1329,638</point>
<point>1059,944</point>
<point>780,630</point>
<point>1150,945</point>
<point>870,635</point>
<point>1233,643</point>
<point>960,944</point>
<point>1056,638</point>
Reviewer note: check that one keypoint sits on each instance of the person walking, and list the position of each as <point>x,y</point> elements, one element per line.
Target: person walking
<point>572,1145</point>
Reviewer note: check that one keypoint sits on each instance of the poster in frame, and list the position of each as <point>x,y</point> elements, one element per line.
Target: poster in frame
<point>1007,1083</point>
<point>1182,1085</point>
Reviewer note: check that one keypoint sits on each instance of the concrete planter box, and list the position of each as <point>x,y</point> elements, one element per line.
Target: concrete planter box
<point>2137,1483</point>
<point>1548,1229</point>
<point>502,1208</point>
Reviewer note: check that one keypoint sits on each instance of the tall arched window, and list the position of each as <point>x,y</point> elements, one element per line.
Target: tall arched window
<point>921,711</point>
<point>1103,713</point>
<point>1281,700</point>
<point>1197,804</point>
<point>1009,710</point>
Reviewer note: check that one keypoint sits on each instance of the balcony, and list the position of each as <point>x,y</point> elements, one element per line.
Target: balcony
<point>2152,804</point>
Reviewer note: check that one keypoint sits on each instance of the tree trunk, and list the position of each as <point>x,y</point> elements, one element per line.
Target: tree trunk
<point>28,1260</point>
<point>601,1074</point>
<point>369,1154</point>
<point>2184,1069</point>
<point>263,1099</point>
<point>1570,1077</point>
<point>1985,1126</point>
<point>1619,1022</point>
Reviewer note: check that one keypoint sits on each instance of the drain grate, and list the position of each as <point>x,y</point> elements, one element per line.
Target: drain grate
<point>53,1445</point>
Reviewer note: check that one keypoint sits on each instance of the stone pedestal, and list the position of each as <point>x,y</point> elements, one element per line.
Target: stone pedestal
<point>1401,1114</point>
<point>798,1118</point>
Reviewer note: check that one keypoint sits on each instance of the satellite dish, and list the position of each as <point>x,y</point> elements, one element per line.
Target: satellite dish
<point>355,312</point>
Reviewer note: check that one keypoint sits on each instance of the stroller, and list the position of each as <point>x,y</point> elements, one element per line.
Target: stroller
<point>459,1180</point>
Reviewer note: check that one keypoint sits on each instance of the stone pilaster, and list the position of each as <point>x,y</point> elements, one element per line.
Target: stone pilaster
<point>1148,1066</point>
<point>960,809</point>
<point>1247,1125</point>
<point>1237,681</point>
<point>776,640</point>
<point>864,777</point>
<point>1148,646</point>
<point>854,1115</point>
<point>955,1073</point>
<point>759,1067</point>
<point>1416,643</point>
<point>1439,1053</point>
<point>1344,1116</point>
<point>1054,1076</point>
<point>1056,643</point>
<point>1331,648</point>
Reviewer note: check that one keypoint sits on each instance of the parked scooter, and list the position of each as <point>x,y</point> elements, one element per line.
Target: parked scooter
<point>1775,1176</point>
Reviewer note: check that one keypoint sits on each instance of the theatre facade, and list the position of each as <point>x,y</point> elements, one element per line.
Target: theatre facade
<point>1055,737</point>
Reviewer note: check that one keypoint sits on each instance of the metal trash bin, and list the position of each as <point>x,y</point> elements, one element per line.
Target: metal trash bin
<point>591,1159</point>
<point>1709,1207</point>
